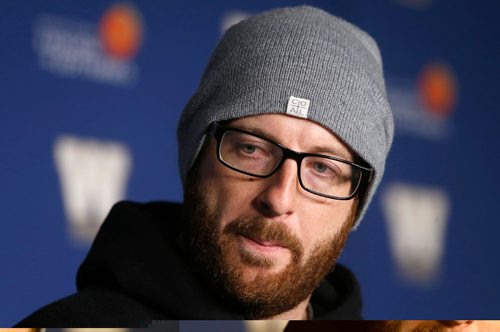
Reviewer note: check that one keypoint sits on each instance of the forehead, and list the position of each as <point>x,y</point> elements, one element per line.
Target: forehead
<point>295,133</point>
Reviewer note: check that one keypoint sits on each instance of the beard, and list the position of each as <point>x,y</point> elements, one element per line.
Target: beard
<point>244,278</point>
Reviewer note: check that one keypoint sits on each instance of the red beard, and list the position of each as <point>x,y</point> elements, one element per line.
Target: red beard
<point>265,294</point>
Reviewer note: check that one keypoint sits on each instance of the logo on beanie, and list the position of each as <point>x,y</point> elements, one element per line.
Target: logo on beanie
<point>298,107</point>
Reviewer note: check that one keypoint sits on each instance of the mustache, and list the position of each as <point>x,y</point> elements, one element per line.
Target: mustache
<point>265,230</point>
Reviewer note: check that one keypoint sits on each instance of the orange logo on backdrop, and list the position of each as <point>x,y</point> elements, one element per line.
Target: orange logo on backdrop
<point>120,31</point>
<point>438,89</point>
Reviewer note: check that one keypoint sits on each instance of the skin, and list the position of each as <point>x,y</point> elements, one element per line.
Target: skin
<point>396,326</point>
<point>449,326</point>
<point>279,198</point>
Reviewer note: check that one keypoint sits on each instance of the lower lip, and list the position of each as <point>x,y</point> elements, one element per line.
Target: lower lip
<point>265,247</point>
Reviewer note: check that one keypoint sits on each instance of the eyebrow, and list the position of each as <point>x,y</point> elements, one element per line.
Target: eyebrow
<point>319,149</point>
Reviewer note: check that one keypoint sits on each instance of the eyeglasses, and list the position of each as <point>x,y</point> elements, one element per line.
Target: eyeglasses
<point>254,155</point>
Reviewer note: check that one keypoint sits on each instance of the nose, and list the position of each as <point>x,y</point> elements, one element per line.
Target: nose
<point>278,197</point>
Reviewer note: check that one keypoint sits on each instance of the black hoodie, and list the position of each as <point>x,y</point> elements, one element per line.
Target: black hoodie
<point>135,274</point>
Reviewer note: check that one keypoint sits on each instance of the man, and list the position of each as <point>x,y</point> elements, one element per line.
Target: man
<point>281,149</point>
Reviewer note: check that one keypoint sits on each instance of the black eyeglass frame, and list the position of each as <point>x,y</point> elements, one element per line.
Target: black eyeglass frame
<point>217,130</point>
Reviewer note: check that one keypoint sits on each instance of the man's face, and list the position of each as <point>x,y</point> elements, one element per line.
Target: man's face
<point>266,241</point>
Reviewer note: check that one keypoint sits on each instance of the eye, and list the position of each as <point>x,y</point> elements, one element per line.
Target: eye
<point>320,168</point>
<point>251,150</point>
<point>248,148</point>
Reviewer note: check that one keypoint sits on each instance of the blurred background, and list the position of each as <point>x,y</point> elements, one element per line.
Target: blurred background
<point>90,95</point>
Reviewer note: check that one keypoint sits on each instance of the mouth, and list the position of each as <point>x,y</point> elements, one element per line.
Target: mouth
<point>262,245</point>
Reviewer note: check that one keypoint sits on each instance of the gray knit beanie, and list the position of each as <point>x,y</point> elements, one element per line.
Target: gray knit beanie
<point>303,52</point>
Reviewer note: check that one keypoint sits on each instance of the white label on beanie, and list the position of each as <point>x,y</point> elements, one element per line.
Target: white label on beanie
<point>298,107</point>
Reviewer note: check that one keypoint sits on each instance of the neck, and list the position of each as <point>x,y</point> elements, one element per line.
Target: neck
<point>297,313</point>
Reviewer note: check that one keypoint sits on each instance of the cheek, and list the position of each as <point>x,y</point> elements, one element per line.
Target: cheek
<point>323,222</point>
<point>228,193</point>
<point>231,200</point>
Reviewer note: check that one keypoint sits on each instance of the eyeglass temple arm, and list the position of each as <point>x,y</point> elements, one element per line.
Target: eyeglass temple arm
<point>213,128</point>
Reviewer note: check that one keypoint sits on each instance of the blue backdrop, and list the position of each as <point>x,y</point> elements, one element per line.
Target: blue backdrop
<point>90,95</point>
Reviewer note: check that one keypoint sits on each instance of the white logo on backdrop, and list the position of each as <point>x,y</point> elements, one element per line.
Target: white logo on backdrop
<point>417,219</point>
<point>93,176</point>
<point>231,18</point>
<point>71,48</point>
